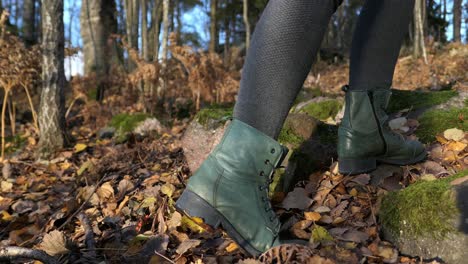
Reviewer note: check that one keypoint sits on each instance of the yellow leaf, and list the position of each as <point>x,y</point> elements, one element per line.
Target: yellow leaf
<point>80,147</point>
<point>353,192</point>
<point>168,189</point>
<point>5,216</point>
<point>192,224</point>
<point>232,247</point>
<point>314,216</point>
<point>441,139</point>
<point>456,146</point>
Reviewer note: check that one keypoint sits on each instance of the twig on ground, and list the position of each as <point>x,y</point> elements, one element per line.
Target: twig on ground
<point>89,235</point>
<point>10,253</point>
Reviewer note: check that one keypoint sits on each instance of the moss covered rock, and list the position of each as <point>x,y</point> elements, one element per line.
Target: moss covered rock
<point>437,121</point>
<point>214,116</point>
<point>428,219</point>
<point>321,108</point>
<point>125,123</point>
<point>418,99</point>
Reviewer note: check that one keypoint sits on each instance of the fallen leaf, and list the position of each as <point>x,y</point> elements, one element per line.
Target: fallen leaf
<point>362,179</point>
<point>314,216</point>
<point>320,235</point>
<point>125,186</point>
<point>454,134</point>
<point>106,191</point>
<point>168,189</point>
<point>80,147</point>
<point>456,146</point>
<point>297,199</point>
<point>432,167</point>
<point>6,186</point>
<point>175,221</point>
<point>232,247</point>
<point>355,236</point>
<point>428,177</point>
<point>54,243</point>
<point>187,245</point>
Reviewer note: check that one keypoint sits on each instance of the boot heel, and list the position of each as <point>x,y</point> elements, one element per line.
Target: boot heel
<point>192,205</point>
<point>356,166</point>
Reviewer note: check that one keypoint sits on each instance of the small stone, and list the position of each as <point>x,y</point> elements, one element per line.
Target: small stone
<point>397,123</point>
<point>106,132</point>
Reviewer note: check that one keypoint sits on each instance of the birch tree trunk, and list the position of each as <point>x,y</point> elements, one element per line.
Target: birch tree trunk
<point>164,47</point>
<point>247,24</point>
<point>51,110</point>
<point>418,43</point>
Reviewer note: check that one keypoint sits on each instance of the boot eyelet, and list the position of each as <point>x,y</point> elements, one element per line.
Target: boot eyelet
<point>273,151</point>
<point>272,218</point>
<point>260,188</point>
<point>262,173</point>
<point>267,162</point>
<point>264,199</point>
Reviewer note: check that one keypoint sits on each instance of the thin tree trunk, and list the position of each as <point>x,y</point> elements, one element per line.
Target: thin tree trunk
<point>144,29</point>
<point>457,18</point>
<point>52,115</point>
<point>247,23</point>
<point>29,19</point>
<point>156,20</point>
<point>227,39</point>
<point>164,46</point>
<point>213,26</point>
<point>418,44</point>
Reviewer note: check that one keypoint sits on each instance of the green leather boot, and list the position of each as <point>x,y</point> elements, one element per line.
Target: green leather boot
<point>364,137</point>
<point>230,189</point>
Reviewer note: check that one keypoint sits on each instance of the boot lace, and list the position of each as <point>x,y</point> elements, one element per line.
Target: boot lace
<point>266,189</point>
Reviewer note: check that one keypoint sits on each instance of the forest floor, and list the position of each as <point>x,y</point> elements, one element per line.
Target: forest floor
<point>111,200</point>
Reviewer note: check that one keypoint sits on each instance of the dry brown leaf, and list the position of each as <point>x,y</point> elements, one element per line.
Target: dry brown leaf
<point>297,199</point>
<point>106,191</point>
<point>232,247</point>
<point>125,186</point>
<point>187,245</point>
<point>54,243</point>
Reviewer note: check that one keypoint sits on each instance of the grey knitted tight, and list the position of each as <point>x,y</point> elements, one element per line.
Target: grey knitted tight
<point>287,38</point>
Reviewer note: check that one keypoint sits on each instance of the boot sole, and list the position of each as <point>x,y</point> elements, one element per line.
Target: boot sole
<point>359,166</point>
<point>192,205</point>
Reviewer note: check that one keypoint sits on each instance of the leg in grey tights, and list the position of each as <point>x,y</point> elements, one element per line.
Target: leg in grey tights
<point>286,40</point>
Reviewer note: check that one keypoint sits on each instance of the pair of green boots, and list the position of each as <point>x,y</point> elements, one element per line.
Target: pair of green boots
<point>230,189</point>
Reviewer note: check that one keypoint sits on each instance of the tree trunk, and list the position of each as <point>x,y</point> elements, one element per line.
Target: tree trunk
<point>144,29</point>
<point>164,47</point>
<point>156,20</point>
<point>247,24</point>
<point>418,43</point>
<point>213,26</point>
<point>97,22</point>
<point>457,18</point>
<point>131,21</point>
<point>29,19</point>
<point>227,39</point>
<point>51,119</point>
<point>179,22</point>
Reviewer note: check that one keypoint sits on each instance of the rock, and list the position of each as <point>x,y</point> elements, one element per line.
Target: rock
<point>106,132</point>
<point>203,134</point>
<point>428,219</point>
<point>321,108</point>
<point>148,126</point>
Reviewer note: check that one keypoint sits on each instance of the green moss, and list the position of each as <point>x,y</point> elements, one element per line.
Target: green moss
<point>289,137</point>
<point>323,110</point>
<point>126,123</point>
<point>417,99</point>
<point>214,113</point>
<point>425,207</point>
<point>434,122</point>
